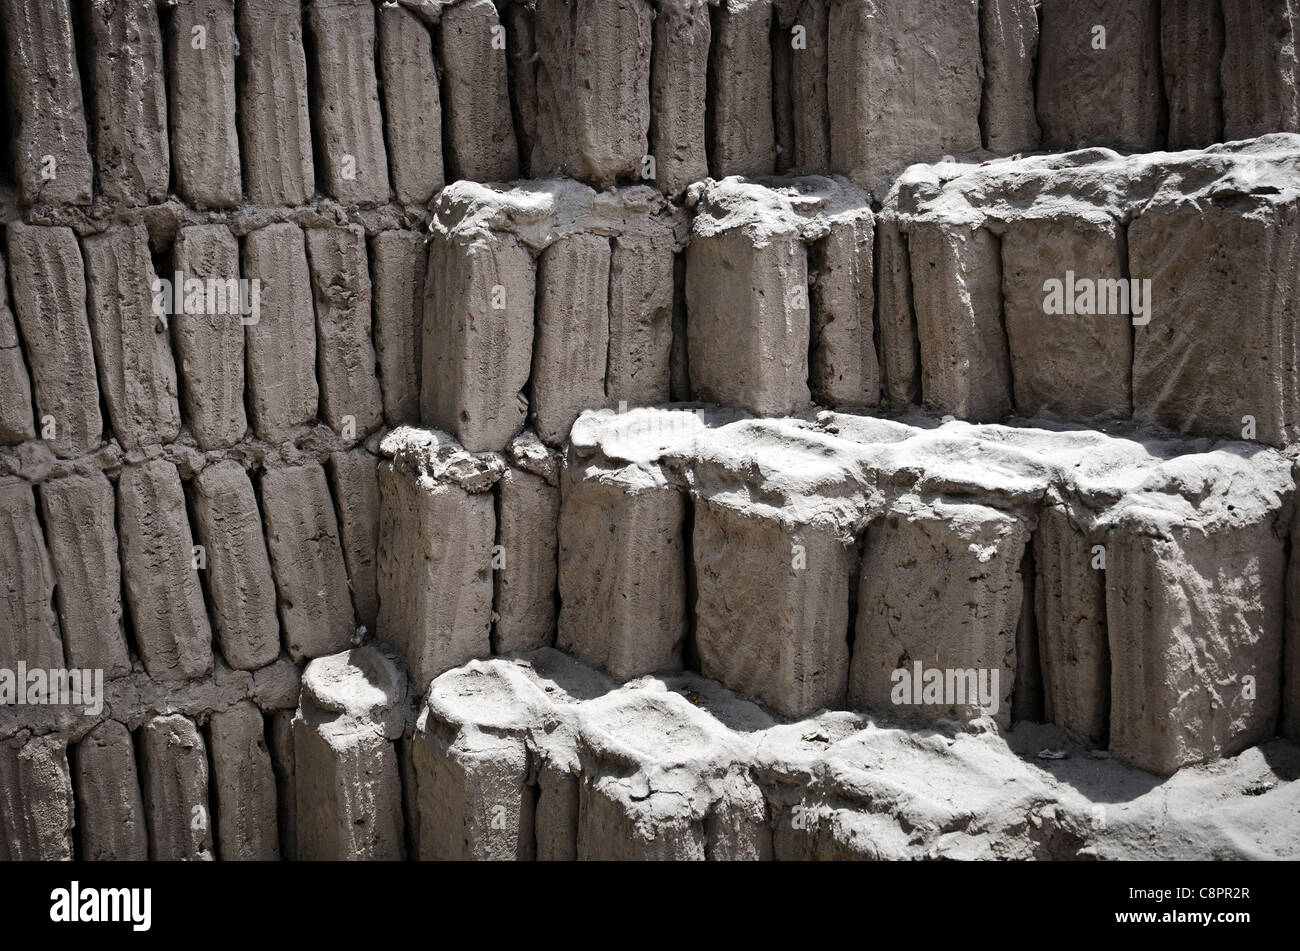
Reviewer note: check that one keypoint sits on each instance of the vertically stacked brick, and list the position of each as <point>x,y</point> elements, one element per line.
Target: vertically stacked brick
<point>522,63</point>
<point>435,570</point>
<point>201,52</point>
<point>622,568</point>
<point>174,764</point>
<point>355,480</point>
<point>412,104</point>
<point>640,318</point>
<point>1077,366</point>
<point>399,265</point>
<point>158,563</point>
<point>345,357</point>
<point>133,350</point>
<point>275,131</point>
<point>740,83</point>
<point>478,338</point>
<point>346,777</point>
<point>941,587</point>
<point>572,333</point>
<point>772,609</point>
<point>528,509</point>
<point>31,632</point>
<point>782,97</point>
<point>748,303</point>
<point>302,535</point>
<point>737,827</point>
<point>1099,79</point>
<point>600,268</point>
<point>679,78</point>
<point>956,294</point>
<point>15,385</point>
<point>52,161</point>
<point>843,367</point>
<point>904,84</point>
<point>1260,68</point>
<point>130,101</point>
<point>555,814</point>
<point>809,97</point>
<point>110,807</point>
<point>1188,363</point>
<point>612,827</point>
<point>689,813</point>
<point>49,288</point>
<point>900,354</point>
<point>210,344</point>
<point>345,102</point>
<point>479,130</point>
<point>244,785</point>
<point>471,767</point>
<point>81,529</point>
<point>281,346</point>
<point>238,571</point>
<point>1191,53</point>
<point>36,803</point>
<point>1009,38</point>
<point>593,88</point>
<point>1194,607</point>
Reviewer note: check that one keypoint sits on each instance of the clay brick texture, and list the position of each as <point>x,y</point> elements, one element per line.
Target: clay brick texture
<point>649,429</point>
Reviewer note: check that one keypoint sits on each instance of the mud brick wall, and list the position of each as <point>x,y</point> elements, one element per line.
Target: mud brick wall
<point>484,780</point>
<point>764,86</point>
<point>779,296</point>
<point>544,299</point>
<point>369,101</point>
<point>802,563</point>
<point>467,549</point>
<point>191,495</point>
<point>798,577</point>
<point>476,232</point>
<point>964,264</point>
